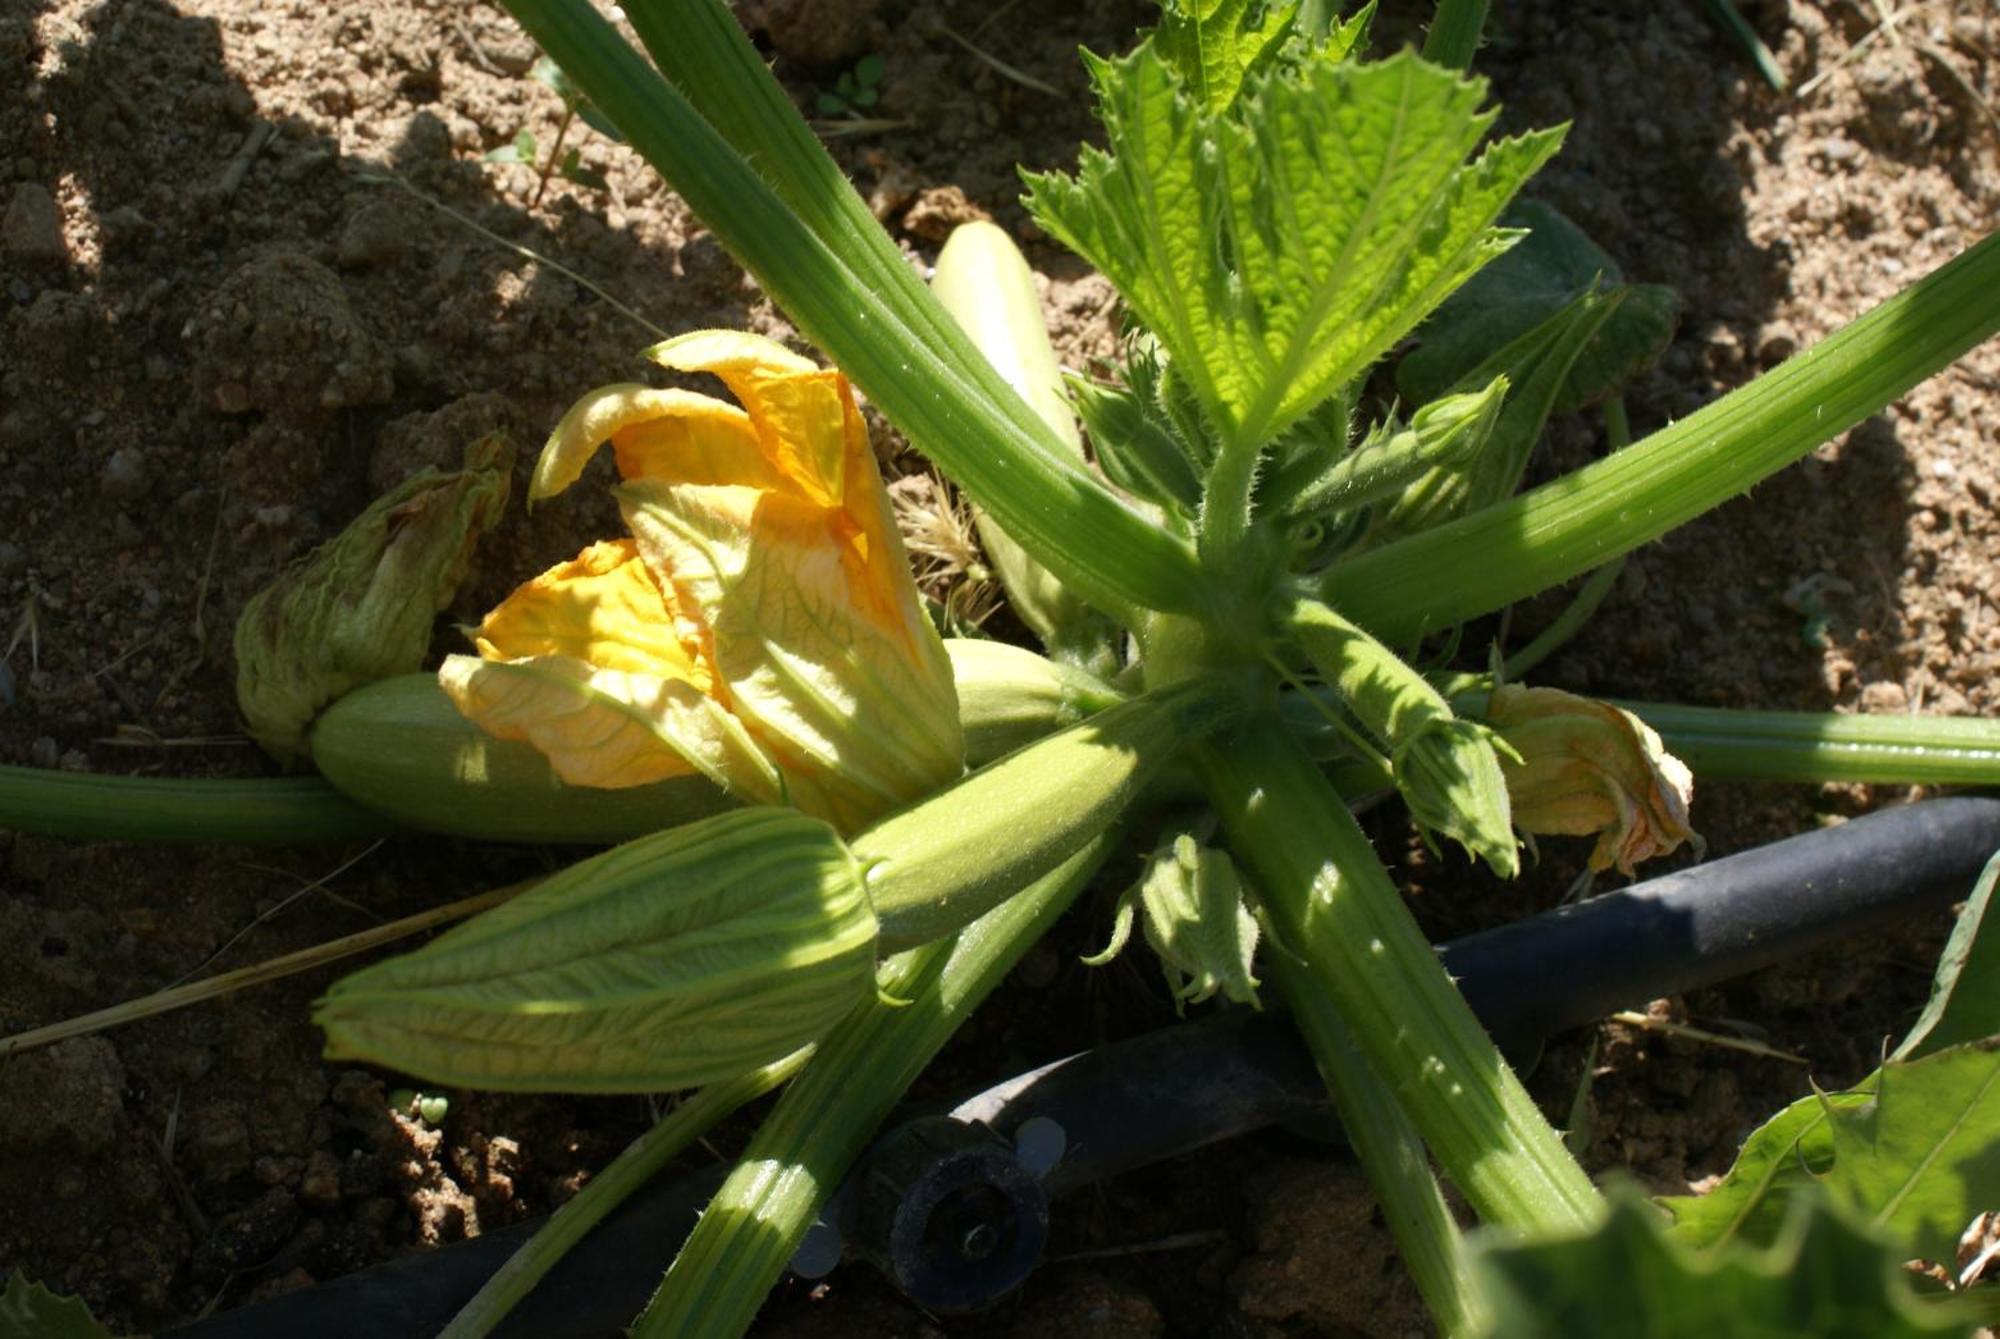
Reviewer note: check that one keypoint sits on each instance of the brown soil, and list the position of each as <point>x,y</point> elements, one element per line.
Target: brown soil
<point>223,332</point>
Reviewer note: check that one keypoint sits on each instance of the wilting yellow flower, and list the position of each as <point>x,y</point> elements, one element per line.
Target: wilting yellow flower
<point>760,626</point>
<point>1587,767</point>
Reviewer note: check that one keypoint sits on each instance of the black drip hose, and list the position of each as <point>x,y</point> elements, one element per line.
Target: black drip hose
<point>951,1214</point>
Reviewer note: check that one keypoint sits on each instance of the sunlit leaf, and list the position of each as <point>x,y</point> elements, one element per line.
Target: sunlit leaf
<point>1824,1277</point>
<point>1278,250</point>
<point>1214,44</point>
<point>1915,1148</point>
<point>1965,997</point>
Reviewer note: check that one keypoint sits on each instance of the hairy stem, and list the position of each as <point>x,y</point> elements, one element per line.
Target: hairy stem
<point>1333,907</point>
<point>826,1117</point>
<point>1509,551</point>
<point>877,322</point>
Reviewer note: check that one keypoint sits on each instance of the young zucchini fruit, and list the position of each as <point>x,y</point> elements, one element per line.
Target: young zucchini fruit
<point>399,747</point>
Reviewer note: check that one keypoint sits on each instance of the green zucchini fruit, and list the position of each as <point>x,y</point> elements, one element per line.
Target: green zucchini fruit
<point>400,748</point>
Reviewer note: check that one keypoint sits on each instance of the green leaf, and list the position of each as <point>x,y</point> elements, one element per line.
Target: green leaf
<point>1780,1156</point>
<point>1965,997</point>
<point>868,70</point>
<point>1825,1278</point>
<point>1279,251</point>
<point>1554,264</point>
<point>1214,44</point>
<point>864,96</point>
<point>830,104</point>
<point>587,112</point>
<point>522,150</point>
<point>30,1311</point>
<point>552,77</point>
<point>1916,1148</point>
<point>1344,37</point>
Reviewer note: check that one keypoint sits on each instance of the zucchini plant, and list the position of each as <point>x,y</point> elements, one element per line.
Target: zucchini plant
<point>1220,585</point>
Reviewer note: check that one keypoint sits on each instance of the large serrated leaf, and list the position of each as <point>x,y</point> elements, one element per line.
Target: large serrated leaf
<point>1824,1277</point>
<point>1214,44</point>
<point>1916,1148</point>
<point>1965,996</point>
<point>1278,251</point>
<point>1554,263</point>
<point>30,1311</point>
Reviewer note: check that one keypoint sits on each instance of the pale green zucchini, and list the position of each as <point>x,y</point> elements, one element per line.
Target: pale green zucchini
<point>400,748</point>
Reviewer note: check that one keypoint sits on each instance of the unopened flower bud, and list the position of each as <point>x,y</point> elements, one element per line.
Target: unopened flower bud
<point>360,608</point>
<point>688,956</point>
<point>1196,922</point>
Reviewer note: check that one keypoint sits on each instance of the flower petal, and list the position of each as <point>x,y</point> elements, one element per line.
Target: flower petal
<point>655,432</point>
<point>799,411</point>
<point>601,606</point>
<point>822,653</point>
<point>610,728</point>
<point>1588,767</point>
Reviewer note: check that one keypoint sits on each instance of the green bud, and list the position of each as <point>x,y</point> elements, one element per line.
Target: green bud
<point>1196,922</point>
<point>360,607</point>
<point>1450,775</point>
<point>685,957</point>
<point>1135,450</point>
<point>1390,459</point>
<point>1447,769</point>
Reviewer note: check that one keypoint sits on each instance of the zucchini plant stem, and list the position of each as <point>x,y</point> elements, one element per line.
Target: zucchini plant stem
<point>936,865</point>
<point>1334,908</point>
<point>628,1172</point>
<point>825,1119</point>
<point>877,323</point>
<point>1226,505</point>
<point>1454,33</point>
<point>1509,551</point>
<point>1389,1149</point>
<point>1812,746</point>
<point>254,810</point>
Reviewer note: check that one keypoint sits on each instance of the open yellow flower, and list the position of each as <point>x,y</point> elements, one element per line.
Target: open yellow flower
<point>759,627</point>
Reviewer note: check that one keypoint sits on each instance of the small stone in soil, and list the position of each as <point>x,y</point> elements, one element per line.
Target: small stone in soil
<point>31,229</point>
<point>126,476</point>
<point>374,235</point>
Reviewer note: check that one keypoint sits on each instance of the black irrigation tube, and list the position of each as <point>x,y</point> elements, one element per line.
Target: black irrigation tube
<point>954,1207</point>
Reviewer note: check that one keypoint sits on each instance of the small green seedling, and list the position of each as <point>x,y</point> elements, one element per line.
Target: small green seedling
<point>855,90</point>
<point>430,1108</point>
<point>568,166</point>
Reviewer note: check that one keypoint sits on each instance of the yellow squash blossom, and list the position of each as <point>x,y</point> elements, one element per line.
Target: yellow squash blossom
<point>760,626</point>
<point>1584,767</point>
